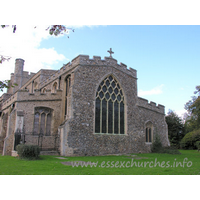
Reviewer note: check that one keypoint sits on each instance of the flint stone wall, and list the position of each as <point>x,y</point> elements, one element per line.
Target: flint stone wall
<point>79,136</point>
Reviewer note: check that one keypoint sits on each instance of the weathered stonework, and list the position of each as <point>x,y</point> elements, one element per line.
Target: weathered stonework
<point>73,109</point>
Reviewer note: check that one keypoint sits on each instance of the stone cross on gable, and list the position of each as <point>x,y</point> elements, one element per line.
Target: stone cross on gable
<point>110,52</point>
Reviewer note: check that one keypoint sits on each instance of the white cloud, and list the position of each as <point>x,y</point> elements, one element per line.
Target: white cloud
<point>154,91</point>
<point>181,113</point>
<point>25,44</point>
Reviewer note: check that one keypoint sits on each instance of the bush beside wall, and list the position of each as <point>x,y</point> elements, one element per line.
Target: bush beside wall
<point>157,147</point>
<point>28,151</point>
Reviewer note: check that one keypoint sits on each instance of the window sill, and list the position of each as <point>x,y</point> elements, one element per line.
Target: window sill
<point>148,143</point>
<point>109,134</point>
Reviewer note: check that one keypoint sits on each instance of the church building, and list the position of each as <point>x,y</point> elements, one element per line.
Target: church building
<point>87,107</point>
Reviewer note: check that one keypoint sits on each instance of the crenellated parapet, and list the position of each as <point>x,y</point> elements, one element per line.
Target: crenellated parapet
<point>4,97</point>
<point>9,101</point>
<point>23,95</point>
<point>108,61</point>
<point>85,60</point>
<point>150,106</point>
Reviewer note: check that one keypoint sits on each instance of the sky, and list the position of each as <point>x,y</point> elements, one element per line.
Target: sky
<point>166,57</point>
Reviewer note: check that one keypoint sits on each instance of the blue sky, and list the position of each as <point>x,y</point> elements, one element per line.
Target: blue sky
<point>166,57</point>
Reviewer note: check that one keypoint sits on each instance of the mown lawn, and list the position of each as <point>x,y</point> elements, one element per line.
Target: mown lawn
<point>147,164</point>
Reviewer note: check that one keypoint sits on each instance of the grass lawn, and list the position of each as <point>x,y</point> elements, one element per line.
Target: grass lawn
<point>147,164</point>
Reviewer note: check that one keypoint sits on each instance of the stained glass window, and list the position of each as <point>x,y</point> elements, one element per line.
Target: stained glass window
<point>48,126</point>
<point>36,123</point>
<point>42,121</point>
<point>109,113</point>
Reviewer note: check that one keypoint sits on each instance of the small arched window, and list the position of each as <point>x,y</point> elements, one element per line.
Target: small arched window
<point>35,85</point>
<point>149,132</point>
<point>44,90</point>
<point>67,87</point>
<point>109,107</point>
<point>54,87</point>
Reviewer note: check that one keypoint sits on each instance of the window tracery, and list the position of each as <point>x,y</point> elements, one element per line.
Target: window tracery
<point>109,107</point>
<point>42,121</point>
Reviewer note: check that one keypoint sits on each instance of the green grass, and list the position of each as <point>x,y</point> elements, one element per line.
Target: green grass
<point>50,165</point>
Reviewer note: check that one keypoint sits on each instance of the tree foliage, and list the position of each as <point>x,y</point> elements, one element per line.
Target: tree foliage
<point>4,58</point>
<point>193,108</point>
<point>190,140</point>
<point>175,128</point>
<point>157,147</point>
<point>58,29</point>
<point>192,124</point>
<point>6,84</point>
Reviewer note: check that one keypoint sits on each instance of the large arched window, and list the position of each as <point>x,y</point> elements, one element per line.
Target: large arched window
<point>109,107</point>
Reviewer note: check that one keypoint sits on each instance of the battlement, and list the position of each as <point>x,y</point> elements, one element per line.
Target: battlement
<point>151,106</point>
<point>4,97</point>
<point>28,74</point>
<point>85,60</point>
<point>9,101</point>
<point>108,61</point>
<point>24,95</point>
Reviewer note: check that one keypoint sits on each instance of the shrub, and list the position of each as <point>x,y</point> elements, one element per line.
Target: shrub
<point>158,148</point>
<point>156,145</point>
<point>197,144</point>
<point>29,152</point>
<point>171,150</point>
<point>190,139</point>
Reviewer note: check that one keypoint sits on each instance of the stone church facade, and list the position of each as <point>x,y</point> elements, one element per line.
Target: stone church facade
<point>90,106</point>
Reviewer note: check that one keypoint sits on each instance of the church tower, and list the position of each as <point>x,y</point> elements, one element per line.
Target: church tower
<point>19,67</point>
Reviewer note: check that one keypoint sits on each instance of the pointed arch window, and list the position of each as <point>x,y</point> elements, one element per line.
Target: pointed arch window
<point>149,132</point>
<point>109,107</point>
<point>44,90</point>
<point>54,87</point>
<point>67,84</point>
<point>42,121</point>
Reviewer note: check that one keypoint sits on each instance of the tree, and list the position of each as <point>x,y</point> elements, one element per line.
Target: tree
<point>175,128</point>
<point>193,108</point>
<point>53,30</point>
